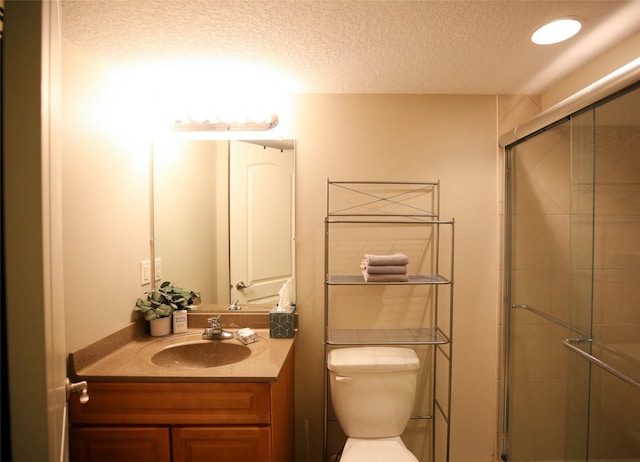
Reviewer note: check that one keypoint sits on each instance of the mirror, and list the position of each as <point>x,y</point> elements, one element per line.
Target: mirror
<point>223,218</point>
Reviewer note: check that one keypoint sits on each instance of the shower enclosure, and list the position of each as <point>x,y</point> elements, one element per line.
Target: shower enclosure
<point>571,321</point>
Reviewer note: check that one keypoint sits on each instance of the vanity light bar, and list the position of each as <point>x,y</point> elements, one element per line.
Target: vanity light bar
<point>187,124</point>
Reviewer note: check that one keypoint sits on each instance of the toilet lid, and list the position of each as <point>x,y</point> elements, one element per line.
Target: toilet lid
<point>376,450</point>
<point>372,359</point>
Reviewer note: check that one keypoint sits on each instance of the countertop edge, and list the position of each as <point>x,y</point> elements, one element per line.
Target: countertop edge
<point>134,336</point>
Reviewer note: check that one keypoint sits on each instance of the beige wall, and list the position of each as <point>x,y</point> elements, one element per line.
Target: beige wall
<point>451,138</point>
<point>105,181</point>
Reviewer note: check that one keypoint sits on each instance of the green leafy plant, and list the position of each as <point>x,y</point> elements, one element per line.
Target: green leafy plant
<point>163,301</point>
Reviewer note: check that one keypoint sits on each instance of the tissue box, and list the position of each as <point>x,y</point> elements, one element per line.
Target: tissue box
<point>281,323</point>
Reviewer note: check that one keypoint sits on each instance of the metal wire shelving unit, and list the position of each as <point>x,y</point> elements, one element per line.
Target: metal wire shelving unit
<point>375,213</point>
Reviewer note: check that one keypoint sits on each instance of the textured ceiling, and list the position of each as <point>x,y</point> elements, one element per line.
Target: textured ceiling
<point>461,47</point>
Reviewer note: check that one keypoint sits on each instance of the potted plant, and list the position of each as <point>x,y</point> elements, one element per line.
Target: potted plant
<point>160,304</point>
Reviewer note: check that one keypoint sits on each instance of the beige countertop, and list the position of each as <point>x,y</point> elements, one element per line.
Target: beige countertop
<point>126,356</point>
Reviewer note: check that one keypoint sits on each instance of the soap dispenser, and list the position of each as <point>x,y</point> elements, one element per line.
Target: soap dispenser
<point>179,321</point>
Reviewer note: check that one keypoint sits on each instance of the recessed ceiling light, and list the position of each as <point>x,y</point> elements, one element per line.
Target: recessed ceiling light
<point>556,31</point>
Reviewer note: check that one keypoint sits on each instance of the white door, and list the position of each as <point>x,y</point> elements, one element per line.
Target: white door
<point>56,358</point>
<point>261,234</point>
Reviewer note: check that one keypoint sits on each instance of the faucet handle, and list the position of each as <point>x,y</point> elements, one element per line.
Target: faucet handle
<point>214,321</point>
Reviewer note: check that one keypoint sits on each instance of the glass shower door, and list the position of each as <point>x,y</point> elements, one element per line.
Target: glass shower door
<point>614,423</point>
<point>547,270</point>
<point>572,323</point>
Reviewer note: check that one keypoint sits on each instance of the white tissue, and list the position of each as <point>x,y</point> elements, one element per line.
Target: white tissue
<point>247,335</point>
<point>284,304</point>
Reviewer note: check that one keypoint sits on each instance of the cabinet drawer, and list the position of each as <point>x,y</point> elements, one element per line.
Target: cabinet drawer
<point>200,444</point>
<point>173,403</point>
<point>108,444</point>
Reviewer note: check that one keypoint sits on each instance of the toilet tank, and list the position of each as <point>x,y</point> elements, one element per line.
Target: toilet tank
<point>373,389</point>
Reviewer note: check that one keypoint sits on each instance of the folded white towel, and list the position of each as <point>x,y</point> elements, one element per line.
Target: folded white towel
<point>385,277</point>
<point>386,260</point>
<point>383,269</point>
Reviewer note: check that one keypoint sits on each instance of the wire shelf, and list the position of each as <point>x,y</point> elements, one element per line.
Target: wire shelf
<point>409,336</point>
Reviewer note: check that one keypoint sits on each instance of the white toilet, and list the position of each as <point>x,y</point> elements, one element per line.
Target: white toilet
<point>372,391</point>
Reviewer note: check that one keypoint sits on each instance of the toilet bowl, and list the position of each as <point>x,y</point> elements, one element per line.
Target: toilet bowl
<point>376,450</point>
<point>372,393</point>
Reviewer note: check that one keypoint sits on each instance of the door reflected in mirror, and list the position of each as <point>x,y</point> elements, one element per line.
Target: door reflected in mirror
<point>223,218</point>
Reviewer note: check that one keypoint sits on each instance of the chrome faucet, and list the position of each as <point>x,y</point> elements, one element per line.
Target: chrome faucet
<point>234,306</point>
<point>214,331</point>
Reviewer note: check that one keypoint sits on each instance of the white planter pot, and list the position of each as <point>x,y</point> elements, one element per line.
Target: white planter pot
<point>160,326</point>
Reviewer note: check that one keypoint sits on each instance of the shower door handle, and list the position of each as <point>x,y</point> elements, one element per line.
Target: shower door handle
<point>569,343</point>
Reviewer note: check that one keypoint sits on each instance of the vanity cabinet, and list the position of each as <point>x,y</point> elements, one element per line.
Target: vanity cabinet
<point>185,421</point>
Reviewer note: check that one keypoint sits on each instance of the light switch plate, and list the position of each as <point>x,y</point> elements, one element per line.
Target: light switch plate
<point>145,272</point>
<point>158,271</point>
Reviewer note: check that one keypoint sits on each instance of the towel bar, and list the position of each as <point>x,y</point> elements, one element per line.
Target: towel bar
<point>598,362</point>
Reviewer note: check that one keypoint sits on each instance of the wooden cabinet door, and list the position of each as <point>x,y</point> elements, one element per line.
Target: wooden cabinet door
<point>120,444</point>
<point>221,444</point>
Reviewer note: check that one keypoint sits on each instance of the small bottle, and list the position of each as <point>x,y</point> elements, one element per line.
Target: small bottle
<point>179,321</point>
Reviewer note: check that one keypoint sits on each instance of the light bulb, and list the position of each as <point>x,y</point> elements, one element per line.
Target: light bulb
<point>556,31</point>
